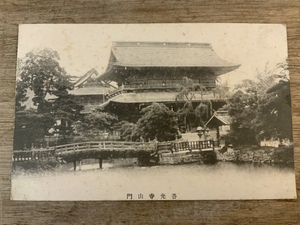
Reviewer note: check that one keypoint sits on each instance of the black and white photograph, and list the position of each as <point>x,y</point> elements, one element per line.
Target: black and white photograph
<point>155,112</point>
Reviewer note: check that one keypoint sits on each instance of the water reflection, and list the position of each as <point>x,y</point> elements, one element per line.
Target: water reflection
<point>222,180</point>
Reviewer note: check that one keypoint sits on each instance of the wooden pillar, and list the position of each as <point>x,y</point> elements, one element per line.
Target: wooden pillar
<point>100,163</point>
<point>74,163</point>
<point>79,165</point>
<point>218,136</point>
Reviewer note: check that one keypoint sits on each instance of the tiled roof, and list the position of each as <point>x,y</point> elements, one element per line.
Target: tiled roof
<point>223,119</point>
<point>89,91</point>
<point>160,54</point>
<point>82,79</point>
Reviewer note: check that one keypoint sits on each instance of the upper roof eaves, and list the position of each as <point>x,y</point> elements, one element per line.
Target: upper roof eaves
<point>161,44</point>
<point>167,54</point>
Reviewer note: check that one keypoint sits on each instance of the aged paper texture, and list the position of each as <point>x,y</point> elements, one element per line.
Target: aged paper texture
<point>153,112</point>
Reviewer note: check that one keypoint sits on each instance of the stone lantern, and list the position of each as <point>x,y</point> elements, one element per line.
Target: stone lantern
<point>203,132</point>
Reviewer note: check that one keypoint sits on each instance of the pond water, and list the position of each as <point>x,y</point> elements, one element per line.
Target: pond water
<point>222,180</point>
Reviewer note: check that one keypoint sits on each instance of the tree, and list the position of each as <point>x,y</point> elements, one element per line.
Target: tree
<point>157,122</point>
<point>21,96</point>
<point>187,113</point>
<point>94,124</point>
<point>21,89</point>
<point>273,118</point>
<point>222,91</point>
<point>129,132</point>
<point>202,112</point>
<point>40,72</point>
<point>261,109</point>
<point>66,110</point>
<point>242,109</point>
<point>187,88</point>
<point>31,127</point>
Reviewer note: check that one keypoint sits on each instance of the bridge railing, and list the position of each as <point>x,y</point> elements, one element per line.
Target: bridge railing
<point>34,154</point>
<point>193,145</point>
<point>105,145</point>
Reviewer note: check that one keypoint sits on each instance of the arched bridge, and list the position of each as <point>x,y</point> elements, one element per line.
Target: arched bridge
<point>110,149</point>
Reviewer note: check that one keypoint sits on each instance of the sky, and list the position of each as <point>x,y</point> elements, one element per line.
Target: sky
<point>85,46</point>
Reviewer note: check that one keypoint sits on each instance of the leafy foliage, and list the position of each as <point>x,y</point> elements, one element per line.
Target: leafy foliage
<point>261,109</point>
<point>41,73</point>
<point>158,122</point>
<point>187,88</point>
<point>221,91</point>
<point>65,109</point>
<point>187,114</point>
<point>242,108</point>
<point>129,132</point>
<point>31,127</point>
<point>190,116</point>
<point>203,112</point>
<point>273,117</point>
<point>94,124</point>
<point>21,95</point>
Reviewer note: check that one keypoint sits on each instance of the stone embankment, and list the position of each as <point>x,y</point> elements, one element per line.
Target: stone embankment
<point>258,155</point>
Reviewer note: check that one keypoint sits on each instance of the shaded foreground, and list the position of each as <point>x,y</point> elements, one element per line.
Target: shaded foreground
<point>223,180</point>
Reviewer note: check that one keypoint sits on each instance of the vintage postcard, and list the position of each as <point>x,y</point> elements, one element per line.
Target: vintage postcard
<point>152,112</point>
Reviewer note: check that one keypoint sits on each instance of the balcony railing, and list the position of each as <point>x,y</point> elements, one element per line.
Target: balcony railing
<point>147,87</point>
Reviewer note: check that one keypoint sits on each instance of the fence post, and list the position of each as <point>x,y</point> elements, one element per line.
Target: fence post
<point>74,164</point>
<point>100,163</point>
<point>79,165</point>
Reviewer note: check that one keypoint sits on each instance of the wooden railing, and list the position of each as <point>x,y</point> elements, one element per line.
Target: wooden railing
<point>69,149</point>
<point>193,145</point>
<point>105,146</point>
<point>148,87</point>
<point>35,154</point>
